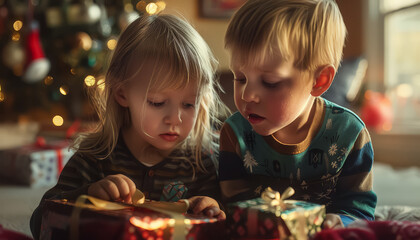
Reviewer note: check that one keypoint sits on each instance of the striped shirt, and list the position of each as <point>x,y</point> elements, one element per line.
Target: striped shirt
<point>83,170</point>
<point>332,166</point>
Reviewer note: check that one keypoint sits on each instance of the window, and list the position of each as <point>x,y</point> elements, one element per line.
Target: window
<point>400,21</point>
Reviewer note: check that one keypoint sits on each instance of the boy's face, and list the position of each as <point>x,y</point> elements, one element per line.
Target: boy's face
<point>272,95</point>
<point>163,118</point>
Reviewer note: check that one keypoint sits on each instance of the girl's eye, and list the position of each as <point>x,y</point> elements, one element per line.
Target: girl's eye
<point>189,105</point>
<point>155,104</point>
<point>270,85</point>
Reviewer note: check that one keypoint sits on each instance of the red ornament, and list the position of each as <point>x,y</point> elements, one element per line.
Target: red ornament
<point>376,111</point>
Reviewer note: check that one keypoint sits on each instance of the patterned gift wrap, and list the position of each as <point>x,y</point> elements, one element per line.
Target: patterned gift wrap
<point>33,165</point>
<point>254,219</point>
<point>132,223</point>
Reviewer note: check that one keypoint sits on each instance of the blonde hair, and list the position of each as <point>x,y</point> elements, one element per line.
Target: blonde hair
<point>175,49</point>
<point>311,32</point>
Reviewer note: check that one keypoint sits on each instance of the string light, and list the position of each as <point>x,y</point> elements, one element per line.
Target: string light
<point>150,7</point>
<point>58,120</point>
<point>48,80</point>
<point>101,83</point>
<point>90,80</point>
<point>63,90</point>
<point>17,25</point>
<point>111,44</point>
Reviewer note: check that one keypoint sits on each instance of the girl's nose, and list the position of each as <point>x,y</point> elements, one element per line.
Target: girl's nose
<point>173,117</point>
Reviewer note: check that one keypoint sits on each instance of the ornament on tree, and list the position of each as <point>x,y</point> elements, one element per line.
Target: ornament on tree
<point>13,54</point>
<point>37,65</point>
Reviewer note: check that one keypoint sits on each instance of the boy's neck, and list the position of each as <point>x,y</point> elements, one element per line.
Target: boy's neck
<point>298,130</point>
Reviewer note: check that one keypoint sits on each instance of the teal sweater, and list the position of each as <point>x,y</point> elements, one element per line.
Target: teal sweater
<point>334,168</point>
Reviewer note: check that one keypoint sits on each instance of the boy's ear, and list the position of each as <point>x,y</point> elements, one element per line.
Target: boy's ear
<point>323,80</point>
<point>121,97</point>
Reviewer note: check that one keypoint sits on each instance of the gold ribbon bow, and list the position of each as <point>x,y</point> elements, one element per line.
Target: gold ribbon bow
<point>275,199</point>
<point>174,209</point>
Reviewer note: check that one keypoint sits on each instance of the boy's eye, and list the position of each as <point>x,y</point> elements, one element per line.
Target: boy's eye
<point>155,104</point>
<point>240,80</point>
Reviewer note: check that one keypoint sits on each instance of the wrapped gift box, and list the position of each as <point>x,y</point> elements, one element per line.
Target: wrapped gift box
<point>59,221</point>
<point>255,219</point>
<point>35,165</point>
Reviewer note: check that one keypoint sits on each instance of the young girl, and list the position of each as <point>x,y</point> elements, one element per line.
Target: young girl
<point>157,114</point>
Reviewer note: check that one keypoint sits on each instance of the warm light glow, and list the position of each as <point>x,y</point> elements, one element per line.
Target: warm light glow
<point>368,95</point>
<point>90,80</point>
<point>58,120</point>
<point>15,37</point>
<point>148,223</point>
<point>128,7</point>
<point>48,80</point>
<point>387,126</point>
<point>63,90</point>
<point>151,8</point>
<point>111,44</point>
<point>2,97</point>
<point>73,71</point>
<point>0,88</point>
<point>161,5</point>
<point>141,6</point>
<point>17,25</point>
<point>101,83</point>
<point>404,90</point>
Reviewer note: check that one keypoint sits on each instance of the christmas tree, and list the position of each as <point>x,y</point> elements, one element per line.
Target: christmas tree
<point>53,51</point>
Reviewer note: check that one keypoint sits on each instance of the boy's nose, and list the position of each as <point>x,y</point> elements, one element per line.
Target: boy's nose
<point>249,94</point>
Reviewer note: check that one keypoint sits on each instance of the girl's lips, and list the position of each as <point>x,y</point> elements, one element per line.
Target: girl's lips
<point>170,137</point>
<point>254,118</point>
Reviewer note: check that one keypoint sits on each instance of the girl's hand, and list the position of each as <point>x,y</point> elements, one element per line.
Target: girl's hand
<point>113,187</point>
<point>332,221</point>
<point>206,206</point>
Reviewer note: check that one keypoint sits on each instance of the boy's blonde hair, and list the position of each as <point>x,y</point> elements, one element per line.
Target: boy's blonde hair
<point>311,32</point>
<point>179,56</point>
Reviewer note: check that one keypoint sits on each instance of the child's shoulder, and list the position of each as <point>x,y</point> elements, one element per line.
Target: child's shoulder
<point>339,113</point>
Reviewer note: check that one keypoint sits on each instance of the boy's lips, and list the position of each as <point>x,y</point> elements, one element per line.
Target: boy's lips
<point>170,137</point>
<point>254,118</point>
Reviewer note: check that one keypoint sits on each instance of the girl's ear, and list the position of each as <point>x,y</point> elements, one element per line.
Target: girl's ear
<point>121,97</point>
<point>323,80</point>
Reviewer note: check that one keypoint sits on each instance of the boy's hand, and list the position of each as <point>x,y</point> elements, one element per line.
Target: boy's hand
<point>206,206</point>
<point>113,187</point>
<point>332,221</point>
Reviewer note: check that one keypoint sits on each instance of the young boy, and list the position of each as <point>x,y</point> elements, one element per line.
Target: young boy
<point>284,55</point>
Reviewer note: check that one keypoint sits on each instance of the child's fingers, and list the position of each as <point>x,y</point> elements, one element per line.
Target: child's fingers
<point>215,212</point>
<point>124,187</point>
<point>97,191</point>
<point>332,221</point>
<point>111,188</point>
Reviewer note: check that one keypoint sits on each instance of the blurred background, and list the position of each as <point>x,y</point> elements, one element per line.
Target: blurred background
<point>51,52</point>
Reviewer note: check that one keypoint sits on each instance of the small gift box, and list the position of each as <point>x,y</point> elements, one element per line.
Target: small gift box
<point>270,217</point>
<point>107,220</point>
<point>35,165</point>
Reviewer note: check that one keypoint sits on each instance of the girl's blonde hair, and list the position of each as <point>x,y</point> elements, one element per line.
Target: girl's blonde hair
<point>180,56</point>
<point>311,32</point>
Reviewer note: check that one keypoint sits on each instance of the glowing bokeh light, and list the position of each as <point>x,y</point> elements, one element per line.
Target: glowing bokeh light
<point>90,80</point>
<point>151,8</point>
<point>48,80</point>
<point>63,90</point>
<point>404,90</point>
<point>17,25</point>
<point>111,44</point>
<point>58,120</point>
<point>2,97</point>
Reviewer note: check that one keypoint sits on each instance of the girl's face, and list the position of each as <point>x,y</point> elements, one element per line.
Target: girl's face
<point>272,95</point>
<point>162,118</point>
